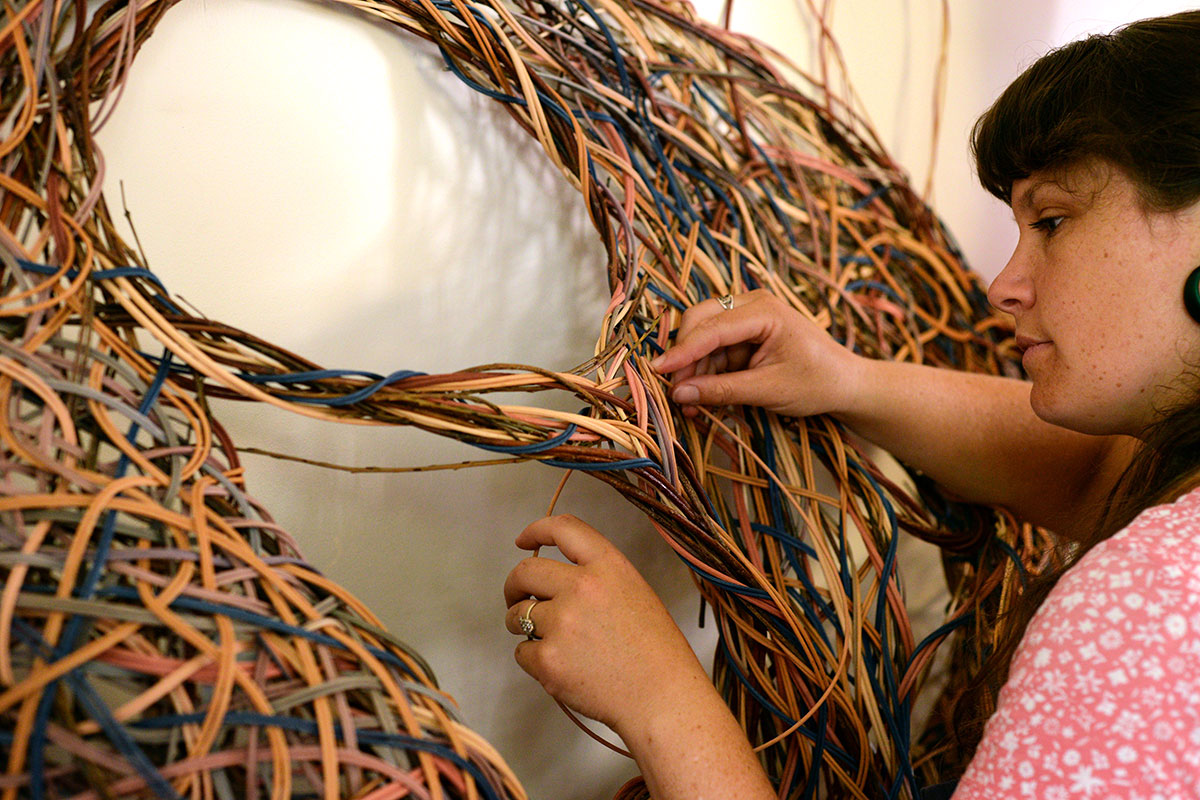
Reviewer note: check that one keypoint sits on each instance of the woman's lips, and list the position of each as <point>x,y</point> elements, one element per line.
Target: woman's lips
<point>1026,342</point>
<point>1029,346</point>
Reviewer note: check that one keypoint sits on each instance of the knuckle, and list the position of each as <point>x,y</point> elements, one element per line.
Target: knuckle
<point>721,393</point>
<point>563,519</point>
<point>690,319</point>
<point>764,296</point>
<point>566,622</point>
<point>516,576</point>
<point>516,585</point>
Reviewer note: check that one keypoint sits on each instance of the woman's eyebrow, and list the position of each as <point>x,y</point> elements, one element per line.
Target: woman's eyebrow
<point>1025,199</point>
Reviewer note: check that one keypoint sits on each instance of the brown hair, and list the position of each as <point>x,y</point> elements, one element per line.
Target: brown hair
<point>1131,98</point>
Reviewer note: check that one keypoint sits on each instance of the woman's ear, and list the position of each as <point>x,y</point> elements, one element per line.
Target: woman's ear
<point>1191,294</point>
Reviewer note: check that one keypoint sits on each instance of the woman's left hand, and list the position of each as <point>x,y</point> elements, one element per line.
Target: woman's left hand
<point>605,645</point>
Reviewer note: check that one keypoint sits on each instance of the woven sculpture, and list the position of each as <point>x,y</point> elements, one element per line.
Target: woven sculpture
<point>162,637</point>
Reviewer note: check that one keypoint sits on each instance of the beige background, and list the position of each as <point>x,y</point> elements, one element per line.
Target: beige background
<point>322,182</point>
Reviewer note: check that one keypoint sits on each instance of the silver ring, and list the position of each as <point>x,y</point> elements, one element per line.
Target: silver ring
<point>726,302</point>
<point>526,623</point>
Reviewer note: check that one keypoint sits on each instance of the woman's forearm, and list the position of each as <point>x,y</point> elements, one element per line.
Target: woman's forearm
<point>977,436</point>
<point>692,748</point>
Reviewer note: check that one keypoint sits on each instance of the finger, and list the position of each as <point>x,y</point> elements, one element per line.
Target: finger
<point>683,362</point>
<point>724,359</point>
<point>706,310</point>
<point>573,537</point>
<point>718,362</point>
<point>526,655</point>
<point>536,577</point>
<point>741,325</point>
<point>744,387</point>
<point>535,610</point>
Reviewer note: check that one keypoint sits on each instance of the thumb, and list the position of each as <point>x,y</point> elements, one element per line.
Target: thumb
<point>722,389</point>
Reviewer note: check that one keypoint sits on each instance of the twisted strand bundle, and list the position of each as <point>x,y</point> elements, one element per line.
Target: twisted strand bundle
<point>163,637</point>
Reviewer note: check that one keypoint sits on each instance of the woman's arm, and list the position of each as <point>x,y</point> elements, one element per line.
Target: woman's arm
<point>608,648</point>
<point>976,435</point>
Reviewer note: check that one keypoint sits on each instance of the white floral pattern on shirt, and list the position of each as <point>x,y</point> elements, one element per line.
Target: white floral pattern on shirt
<point>1103,697</point>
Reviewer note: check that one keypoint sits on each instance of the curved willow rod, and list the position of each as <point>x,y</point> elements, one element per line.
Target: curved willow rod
<point>136,566</point>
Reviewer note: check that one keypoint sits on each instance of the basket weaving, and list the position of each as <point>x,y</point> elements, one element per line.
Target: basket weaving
<point>162,636</point>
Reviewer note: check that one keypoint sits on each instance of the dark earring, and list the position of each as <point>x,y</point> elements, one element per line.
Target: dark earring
<point>1191,294</point>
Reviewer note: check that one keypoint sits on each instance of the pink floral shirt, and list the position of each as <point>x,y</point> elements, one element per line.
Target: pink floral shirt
<point>1103,697</point>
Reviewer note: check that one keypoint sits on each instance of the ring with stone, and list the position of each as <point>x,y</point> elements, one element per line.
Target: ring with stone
<point>726,302</point>
<point>526,623</point>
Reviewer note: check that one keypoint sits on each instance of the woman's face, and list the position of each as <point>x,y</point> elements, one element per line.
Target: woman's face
<point>1095,287</point>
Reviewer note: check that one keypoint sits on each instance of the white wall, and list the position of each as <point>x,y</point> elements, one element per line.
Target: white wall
<point>890,49</point>
<point>324,184</point>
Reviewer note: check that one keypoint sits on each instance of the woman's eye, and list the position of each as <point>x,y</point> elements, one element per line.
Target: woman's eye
<point>1047,225</point>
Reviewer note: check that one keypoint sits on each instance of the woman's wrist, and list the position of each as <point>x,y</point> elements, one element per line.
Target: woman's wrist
<point>688,745</point>
<point>853,382</point>
<point>669,705</point>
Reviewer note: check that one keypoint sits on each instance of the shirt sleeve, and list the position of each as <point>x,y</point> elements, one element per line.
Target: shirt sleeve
<point>1103,697</point>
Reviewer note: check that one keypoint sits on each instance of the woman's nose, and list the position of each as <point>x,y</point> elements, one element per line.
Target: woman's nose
<point>1012,290</point>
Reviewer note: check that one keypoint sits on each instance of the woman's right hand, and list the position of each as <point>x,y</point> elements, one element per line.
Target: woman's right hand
<point>760,353</point>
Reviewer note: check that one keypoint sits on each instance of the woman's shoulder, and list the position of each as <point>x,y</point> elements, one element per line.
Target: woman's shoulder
<point>1103,692</point>
<point>1179,513</point>
<point>1155,558</point>
<point>1163,542</point>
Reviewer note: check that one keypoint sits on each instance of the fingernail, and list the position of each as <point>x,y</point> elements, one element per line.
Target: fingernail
<point>686,394</point>
<point>656,362</point>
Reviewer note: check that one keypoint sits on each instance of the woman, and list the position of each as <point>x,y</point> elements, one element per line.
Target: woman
<point>1096,148</point>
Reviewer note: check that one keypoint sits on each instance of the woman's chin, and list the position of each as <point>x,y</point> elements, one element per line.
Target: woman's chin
<point>1048,405</point>
<point>1056,408</point>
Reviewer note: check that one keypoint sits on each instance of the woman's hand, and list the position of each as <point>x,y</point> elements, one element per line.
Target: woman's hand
<point>761,353</point>
<point>605,643</point>
<point>605,646</point>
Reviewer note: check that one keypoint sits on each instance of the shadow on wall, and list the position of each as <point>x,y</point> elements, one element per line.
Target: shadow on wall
<point>330,188</point>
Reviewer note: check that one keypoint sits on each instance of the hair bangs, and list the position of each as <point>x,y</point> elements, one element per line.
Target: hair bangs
<point>1050,117</point>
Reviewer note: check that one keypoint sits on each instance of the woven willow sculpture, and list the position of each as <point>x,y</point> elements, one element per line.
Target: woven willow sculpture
<point>163,637</point>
